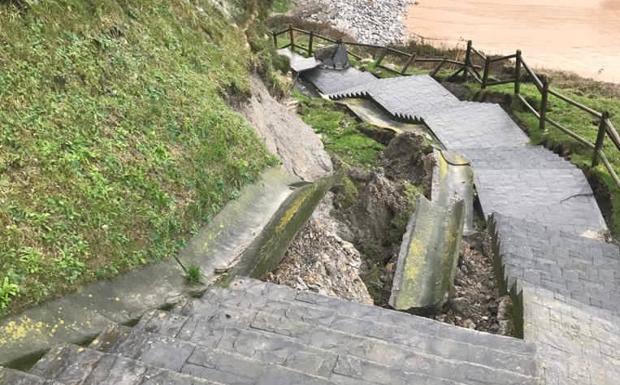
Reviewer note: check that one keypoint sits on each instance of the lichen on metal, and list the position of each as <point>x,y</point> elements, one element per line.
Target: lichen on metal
<point>428,257</point>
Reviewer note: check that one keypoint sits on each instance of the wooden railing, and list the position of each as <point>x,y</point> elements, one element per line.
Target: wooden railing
<point>409,59</point>
<point>482,75</point>
<point>606,128</point>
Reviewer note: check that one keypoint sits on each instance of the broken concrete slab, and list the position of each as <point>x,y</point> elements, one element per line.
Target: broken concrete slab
<point>371,113</point>
<point>220,245</point>
<point>453,181</point>
<point>329,81</point>
<point>268,249</point>
<point>428,256</point>
<point>298,62</point>
<point>409,97</point>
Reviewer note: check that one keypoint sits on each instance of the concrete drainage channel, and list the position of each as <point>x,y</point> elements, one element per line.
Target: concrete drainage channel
<point>248,237</point>
<point>388,244</point>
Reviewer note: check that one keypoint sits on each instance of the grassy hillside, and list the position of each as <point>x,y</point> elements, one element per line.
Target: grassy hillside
<point>116,139</point>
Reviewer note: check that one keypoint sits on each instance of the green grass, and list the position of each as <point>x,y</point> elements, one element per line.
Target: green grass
<point>117,141</point>
<point>340,132</point>
<point>580,123</point>
<point>281,6</point>
<point>193,274</point>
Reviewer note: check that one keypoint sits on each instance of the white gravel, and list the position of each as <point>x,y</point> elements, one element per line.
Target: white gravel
<point>369,21</point>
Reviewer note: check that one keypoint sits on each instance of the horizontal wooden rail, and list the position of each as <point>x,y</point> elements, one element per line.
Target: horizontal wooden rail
<point>499,82</point>
<point>528,106</point>
<point>569,133</point>
<point>609,167</point>
<point>478,53</point>
<point>612,133</point>
<point>532,75</point>
<point>397,52</point>
<point>576,104</point>
<point>482,75</point>
<point>502,58</point>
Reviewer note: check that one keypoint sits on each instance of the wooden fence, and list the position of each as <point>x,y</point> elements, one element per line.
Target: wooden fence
<point>482,75</point>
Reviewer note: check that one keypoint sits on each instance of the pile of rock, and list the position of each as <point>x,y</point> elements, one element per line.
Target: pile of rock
<point>369,21</point>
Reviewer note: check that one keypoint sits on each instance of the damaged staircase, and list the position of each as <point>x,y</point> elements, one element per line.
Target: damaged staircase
<point>260,333</point>
<point>549,233</point>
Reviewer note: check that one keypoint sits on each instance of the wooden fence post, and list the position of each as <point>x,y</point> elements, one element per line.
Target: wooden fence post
<point>600,138</point>
<point>291,34</point>
<point>380,57</point>
<point>409,62</point>
<point>467,59</point>
<point>518,73</point>
<point>485,75</point>
<point>310,50</point>
<point>543,103</point>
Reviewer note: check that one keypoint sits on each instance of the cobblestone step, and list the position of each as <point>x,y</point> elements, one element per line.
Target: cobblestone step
<point>16,377</point>
<point>332,312</point>
<point>312,339</point>
<point>410,97</point>
<point>74,365</point>
<point>475,125</point>
<point>520,157</point>
<point>303,348</point>
<point>277,362</point>
<point>579,268</point>
<point>324,328</point>
<point>561,198</point>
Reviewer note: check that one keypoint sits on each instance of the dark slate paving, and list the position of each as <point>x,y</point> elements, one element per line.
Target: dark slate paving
<point>378,321</point>
<point>329,81</point>
<point>579,268</point>
<point>410,97</point>
<point>298,62</point>
<point>515,157</point>
<point>15,377</point>
<point>578,344</point>
<point>475,125</point>
<point>256,333</point>
<point>561,198</point>
<point>74,365</point>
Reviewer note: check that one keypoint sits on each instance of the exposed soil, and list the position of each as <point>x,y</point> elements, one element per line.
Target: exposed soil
<point>349,249</point>
<point>320,260</point>
<point>475,303</point>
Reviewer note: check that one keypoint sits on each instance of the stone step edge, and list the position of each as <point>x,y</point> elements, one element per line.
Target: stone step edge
<point>339,358</point>
<point>521,344</point>
<point>128,330</point>
<point>412,350</point>
<point>63,348</point>
<point>30,379</point>
<point>240,283</point>
<point>502,221</point>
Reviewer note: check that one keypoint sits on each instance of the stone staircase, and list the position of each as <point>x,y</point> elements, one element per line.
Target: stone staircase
<point>259,333</point>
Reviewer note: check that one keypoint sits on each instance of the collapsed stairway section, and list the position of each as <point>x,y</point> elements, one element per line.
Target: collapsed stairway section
<point>259,333</point>
<point>429,252</point>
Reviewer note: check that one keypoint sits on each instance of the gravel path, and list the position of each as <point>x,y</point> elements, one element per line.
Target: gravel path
<point>369,21</point>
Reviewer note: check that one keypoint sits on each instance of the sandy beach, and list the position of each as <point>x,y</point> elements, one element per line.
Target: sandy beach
<point>578,36</point>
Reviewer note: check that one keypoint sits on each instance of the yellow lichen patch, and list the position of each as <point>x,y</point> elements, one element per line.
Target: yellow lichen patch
<point>291,211</point>
<point>23,328</point>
